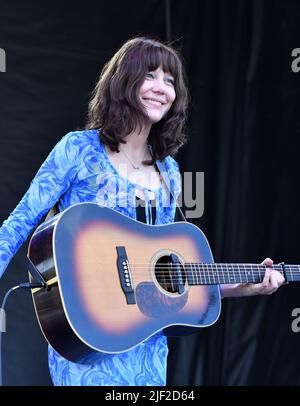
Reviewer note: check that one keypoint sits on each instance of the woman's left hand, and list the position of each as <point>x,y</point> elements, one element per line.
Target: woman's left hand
<point>271,282</point>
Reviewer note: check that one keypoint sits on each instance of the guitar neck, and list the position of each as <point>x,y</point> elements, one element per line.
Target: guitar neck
<point>213,274</point>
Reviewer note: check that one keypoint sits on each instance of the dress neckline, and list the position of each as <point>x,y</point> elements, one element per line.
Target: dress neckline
<point>127,180</point>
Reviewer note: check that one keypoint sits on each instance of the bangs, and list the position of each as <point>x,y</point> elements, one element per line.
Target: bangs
<point>156,56</point>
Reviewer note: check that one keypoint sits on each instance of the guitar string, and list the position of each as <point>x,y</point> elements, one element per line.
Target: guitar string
<point>226,275</point>
<point>207,264</point>
<point>196,271</point>
<point>145,267</point>
<point>219,276</point>
<point>205,268</point>
<point>208,275</point>
<point>213,264</point>
<point>223,272</point>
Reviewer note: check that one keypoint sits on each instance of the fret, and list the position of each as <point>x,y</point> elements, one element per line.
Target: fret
<point>235,275</point>
<point>253,278</point>
<point>198,274</point>
<point>210,277</point>
<point>230,273</point>
<point>212,274</point>
<point>191,280</point>
<point>229,276</point>
<point>294,272</point>
<point>241,280</point>
<point>222,274</point>
<point>203,276</point>
<point>205,281</point>
<point>246,273</point>
<point>202,272</point>
<point>195,273</point>
<point>251,274</point>
<point>209,281</point>
<point>291,275</point>
<point>261,275</point>
<point>218,275</point>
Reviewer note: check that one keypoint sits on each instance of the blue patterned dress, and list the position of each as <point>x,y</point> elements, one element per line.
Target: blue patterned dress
<point>79,170</point>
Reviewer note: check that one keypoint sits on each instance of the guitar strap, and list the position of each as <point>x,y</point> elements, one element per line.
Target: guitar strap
<point>165,176</point>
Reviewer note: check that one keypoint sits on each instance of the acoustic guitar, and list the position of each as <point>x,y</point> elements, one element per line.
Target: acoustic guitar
<point>112,282</point>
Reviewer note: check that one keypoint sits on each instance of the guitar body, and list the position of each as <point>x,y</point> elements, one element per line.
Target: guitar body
<point>96,300</point>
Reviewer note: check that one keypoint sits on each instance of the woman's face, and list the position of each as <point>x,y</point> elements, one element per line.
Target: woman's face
<point>157,94</point>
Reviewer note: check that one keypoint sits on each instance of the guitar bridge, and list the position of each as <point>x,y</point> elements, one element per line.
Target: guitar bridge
<point>125,275</point>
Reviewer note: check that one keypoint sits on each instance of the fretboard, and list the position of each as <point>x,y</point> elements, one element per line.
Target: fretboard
<point>212,274</point>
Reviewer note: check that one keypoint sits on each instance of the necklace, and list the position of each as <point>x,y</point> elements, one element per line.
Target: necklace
<point>137,167</point>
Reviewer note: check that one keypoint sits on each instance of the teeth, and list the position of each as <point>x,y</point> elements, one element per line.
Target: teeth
<point>157,103</point>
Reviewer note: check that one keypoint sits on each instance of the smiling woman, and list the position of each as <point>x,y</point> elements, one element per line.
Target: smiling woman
<point>144,73</point>
<point>136,118</point>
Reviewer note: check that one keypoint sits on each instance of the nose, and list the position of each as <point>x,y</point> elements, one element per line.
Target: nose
<point>159,86</point>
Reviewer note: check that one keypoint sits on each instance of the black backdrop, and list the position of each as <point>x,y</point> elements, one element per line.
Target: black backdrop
<point>243,130</point>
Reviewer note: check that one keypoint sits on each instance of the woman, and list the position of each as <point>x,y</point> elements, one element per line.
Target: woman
<point>136,116</point>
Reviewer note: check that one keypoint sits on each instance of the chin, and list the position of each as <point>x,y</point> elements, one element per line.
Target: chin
<point>155,118</point>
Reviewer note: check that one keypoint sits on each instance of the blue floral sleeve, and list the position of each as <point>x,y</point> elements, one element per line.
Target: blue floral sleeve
<point>51,181</point>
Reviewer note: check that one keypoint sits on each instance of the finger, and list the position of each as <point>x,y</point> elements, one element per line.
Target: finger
<point>263,287</point>
<point>266,280</point>
<point>279,277</point>
<point>268,262</point>
<point>274,281</point>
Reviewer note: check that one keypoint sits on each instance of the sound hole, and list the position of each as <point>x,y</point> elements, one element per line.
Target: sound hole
<point>166,274</point>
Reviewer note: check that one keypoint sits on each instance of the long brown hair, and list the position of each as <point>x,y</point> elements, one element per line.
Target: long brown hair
<point>115,107</point>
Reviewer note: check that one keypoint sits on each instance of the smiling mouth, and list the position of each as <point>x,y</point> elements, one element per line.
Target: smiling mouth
<point>154,102</point>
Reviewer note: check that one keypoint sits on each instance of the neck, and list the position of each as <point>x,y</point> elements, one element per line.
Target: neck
<point>212,273</point>
<point>136,143</point>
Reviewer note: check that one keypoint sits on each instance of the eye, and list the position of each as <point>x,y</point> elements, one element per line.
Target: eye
<point>170,80</point>
<point>150,75</point>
